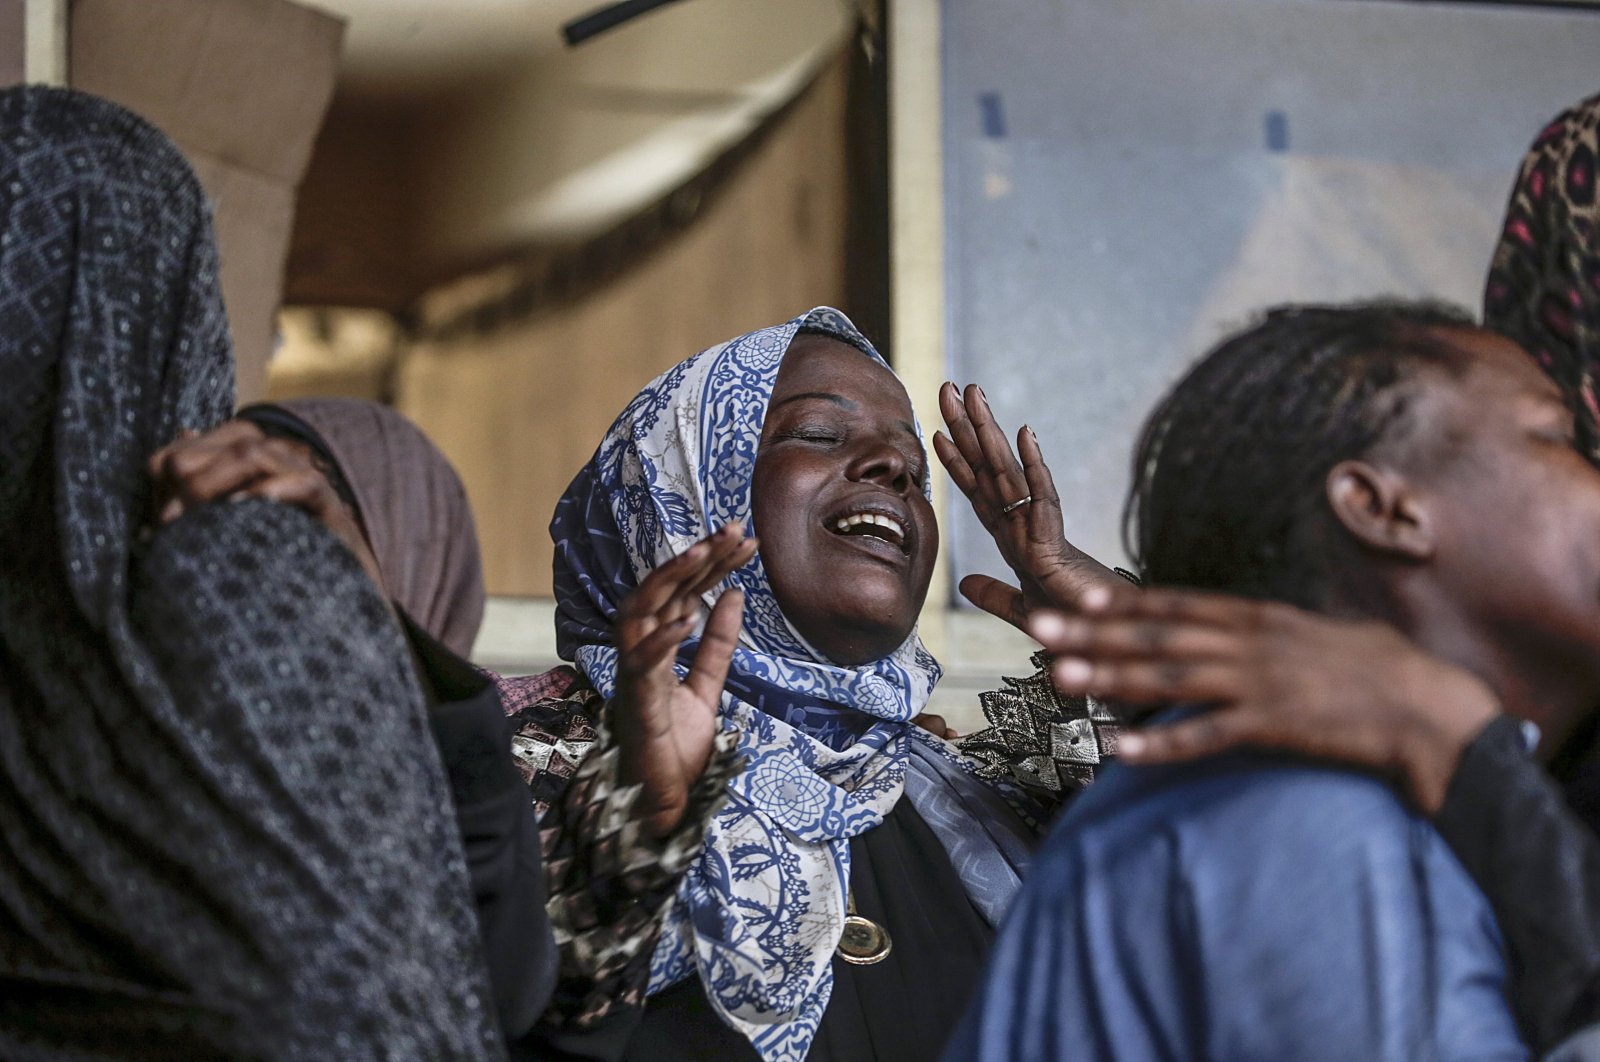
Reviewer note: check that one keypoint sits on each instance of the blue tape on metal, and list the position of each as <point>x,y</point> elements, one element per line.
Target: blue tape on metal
<point>1277,128</point>
<point>994,115</point>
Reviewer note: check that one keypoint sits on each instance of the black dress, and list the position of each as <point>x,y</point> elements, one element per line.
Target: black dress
<point>903,1008</point>
<point>1539,865</point>
<point>499,830</point>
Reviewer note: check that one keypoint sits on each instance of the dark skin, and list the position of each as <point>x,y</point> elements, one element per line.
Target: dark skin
<point>1354,691</point>
<point>840,446</point>
<point>665,726</point>
<point>237,461</point>
<point>1487,559</point>
<point>1051,572</point>
<point>839,442</point>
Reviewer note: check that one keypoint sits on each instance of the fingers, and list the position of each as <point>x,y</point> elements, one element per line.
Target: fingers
<point>305,488</point>
<point>1188,606</point>
<point>1044,512</point>
<point>723,563</point>
<point>678,577</point>
<point>191,445</point>
<point>1107,637</point>
<point>1190,739</point>
<point>936,725</point>
<point>960,472</point>
<point>655,648</point>
<point>237,459</point>
<point>672,592</point>
<point>998,472</point>
<point>962,455</point>
<point>999,599</point>
<point>1144,661</point>
<point>956,421</point>
<point>1148,681</point>
<point>248,463</point>
<point>717,643</point>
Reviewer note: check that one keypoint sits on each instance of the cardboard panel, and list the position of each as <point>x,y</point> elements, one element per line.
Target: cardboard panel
<point>242,87</point>
<point>13,30</point>
<point>246,81</point>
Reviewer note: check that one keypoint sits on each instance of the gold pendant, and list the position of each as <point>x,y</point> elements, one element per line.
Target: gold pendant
<point>864,942</point>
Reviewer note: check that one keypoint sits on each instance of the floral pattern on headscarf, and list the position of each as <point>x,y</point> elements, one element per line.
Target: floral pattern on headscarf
<point>1544,283</point>
<point>760,912</point>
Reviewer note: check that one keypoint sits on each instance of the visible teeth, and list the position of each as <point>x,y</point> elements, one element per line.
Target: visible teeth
<point>889,523</point>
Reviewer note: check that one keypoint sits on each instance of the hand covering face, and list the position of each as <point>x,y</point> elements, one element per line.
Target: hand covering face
<point>412,507</point>
<point>218,837</point>
<point>1544,284</point>
<point>829,750</point>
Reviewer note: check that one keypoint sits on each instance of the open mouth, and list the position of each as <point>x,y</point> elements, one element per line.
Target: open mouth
<point>879,525</point>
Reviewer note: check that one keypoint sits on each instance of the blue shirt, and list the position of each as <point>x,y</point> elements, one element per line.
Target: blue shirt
<point>1243,908</point>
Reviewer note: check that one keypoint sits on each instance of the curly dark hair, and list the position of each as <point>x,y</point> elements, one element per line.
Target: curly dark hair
<point>1228,477</point>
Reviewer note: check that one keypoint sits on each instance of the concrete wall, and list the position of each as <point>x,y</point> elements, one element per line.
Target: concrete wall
<point>1125,179</point>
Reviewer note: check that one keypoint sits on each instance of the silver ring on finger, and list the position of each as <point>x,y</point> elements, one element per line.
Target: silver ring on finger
<point>1014,506</point>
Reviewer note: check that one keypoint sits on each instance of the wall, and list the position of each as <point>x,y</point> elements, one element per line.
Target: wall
<point>241,86</point>
<point>521,409</point>
<point>1127,178</point>
<point>354,241</point>
<point>576,140</point>
<point>410,186</point>
<point>13,34</point>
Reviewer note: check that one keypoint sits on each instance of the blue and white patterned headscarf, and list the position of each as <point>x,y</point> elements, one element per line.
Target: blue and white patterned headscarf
<point>827,748</point>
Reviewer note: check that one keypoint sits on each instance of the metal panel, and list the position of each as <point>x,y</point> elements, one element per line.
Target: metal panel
<point>1127,178</point>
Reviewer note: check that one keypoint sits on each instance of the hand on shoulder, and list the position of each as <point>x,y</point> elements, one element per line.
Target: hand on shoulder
<point>1278,677</point>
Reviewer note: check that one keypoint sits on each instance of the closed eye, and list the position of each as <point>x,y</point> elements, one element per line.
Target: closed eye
<point>810,435</point>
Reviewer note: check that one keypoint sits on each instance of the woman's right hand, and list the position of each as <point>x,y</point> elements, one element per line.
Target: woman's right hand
<point>665,727</point>
<point>1359,693</point>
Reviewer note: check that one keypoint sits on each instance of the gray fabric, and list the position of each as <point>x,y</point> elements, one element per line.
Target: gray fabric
<point>1582,1047</point>
<point>218,837</point>
<point>989,844</point>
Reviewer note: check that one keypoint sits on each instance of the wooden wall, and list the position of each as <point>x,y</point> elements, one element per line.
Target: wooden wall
<point>521,409</point>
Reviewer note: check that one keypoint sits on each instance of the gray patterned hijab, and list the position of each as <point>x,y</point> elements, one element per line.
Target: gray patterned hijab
<point>217,836</point>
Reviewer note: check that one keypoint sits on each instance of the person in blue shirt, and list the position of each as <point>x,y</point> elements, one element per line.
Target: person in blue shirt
<point>1386,463</point>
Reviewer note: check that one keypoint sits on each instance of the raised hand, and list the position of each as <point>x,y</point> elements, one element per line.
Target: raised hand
<point>665,727</point>
<point>1358,693</point>
<point>1051,572</point>
<point>238,460</point>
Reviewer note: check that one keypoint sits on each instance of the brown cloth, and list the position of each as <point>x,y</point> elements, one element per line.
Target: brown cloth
<point>412,507</point>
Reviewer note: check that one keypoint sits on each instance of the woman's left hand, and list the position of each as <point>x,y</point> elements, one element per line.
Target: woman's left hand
<point>237,460</point>
<point>1052,572</point>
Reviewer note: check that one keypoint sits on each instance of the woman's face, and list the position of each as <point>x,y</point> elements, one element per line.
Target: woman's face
<point>847,537</point>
